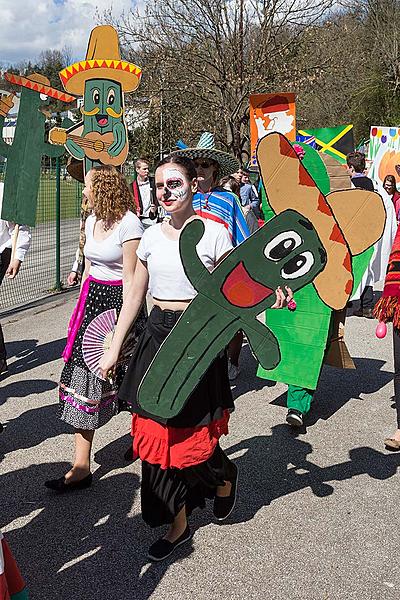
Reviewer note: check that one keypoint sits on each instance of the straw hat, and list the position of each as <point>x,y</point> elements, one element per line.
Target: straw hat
<point>205,148</point>
<point>103,61</point>
<point>347,222</point>
<point>40,84</point>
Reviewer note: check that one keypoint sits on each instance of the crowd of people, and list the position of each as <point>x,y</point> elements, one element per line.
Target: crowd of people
<point>128,264</point>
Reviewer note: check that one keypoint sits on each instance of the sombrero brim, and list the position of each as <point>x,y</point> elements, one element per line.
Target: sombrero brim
<point>38,87</point>
<point>289,186</point>
<point>75,76</point>
<point>228,164</point>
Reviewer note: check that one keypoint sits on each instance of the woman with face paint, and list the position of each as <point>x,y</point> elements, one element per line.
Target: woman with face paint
<point>87,401</point>
<point>182,462</point>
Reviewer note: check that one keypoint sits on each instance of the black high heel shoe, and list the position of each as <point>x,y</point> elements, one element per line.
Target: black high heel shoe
<point>59,485</point>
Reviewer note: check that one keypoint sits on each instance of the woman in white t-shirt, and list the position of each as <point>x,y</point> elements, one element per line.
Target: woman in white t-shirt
<point>182,462</point>
<point>87,401</point>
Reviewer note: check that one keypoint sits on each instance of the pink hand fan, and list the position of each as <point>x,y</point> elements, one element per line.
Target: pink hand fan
<point>97,339</point>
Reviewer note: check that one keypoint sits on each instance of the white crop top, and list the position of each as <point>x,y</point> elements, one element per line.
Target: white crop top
<point>167,279</point>
<point>106,255</point>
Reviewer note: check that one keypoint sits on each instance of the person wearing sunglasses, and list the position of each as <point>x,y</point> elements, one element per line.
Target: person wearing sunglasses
<point>218,204</point>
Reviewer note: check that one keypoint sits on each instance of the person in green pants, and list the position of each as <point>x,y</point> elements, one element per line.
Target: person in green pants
<point>299,399</point>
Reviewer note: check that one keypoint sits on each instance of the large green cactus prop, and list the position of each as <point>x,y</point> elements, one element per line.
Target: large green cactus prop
<point>24,158</point>
<point>286,251</point>
<point>102,79</point>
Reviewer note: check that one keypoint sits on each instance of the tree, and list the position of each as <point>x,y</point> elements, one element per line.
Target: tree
<point>203,58</point>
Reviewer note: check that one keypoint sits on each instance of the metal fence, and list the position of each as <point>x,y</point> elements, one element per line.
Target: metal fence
<point>54,240</point>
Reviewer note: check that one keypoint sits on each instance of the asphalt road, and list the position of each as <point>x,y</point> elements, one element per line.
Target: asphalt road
<point>316,517</point>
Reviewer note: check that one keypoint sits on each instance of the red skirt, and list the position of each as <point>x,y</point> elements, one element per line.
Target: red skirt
<point>176,447</point>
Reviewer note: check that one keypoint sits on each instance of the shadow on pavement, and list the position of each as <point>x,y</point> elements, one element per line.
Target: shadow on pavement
<point>31,428</point>
<point>274,466</point>
<point>247,381</point>
<point>84,545</point>
<point>29,354</point>
<point>336,387</point>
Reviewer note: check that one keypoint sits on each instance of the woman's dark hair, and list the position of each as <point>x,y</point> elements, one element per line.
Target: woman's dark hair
<point>392,180</point>
<point>182,161</point>
<point>233,184</point>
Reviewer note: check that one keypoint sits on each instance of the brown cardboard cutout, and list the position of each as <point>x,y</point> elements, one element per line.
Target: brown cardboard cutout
<point>290,186</point>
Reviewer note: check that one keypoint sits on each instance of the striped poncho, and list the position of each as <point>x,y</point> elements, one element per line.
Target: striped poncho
<point>223,207</point>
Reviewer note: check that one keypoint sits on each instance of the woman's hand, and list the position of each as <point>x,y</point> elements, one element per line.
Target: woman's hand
<point>108,363</point>
<point>282,300</point>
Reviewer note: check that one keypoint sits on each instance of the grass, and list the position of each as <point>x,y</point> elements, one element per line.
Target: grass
<point>71,196</point>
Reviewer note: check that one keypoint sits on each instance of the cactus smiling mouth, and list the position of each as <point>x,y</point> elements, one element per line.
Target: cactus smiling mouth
<point>102,120</point>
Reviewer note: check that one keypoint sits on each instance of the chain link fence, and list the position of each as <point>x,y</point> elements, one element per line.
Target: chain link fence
<point>39,274</point>
<point>51,256</point>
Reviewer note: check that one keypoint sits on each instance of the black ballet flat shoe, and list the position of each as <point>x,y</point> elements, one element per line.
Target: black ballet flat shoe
<point>59,485</point>
<point>224,505</point>
<point>162,548</point>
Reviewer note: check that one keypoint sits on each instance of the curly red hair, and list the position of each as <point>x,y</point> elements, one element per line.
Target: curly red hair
<point>111,194</point>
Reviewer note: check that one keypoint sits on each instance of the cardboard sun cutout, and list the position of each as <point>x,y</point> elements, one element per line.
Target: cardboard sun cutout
<point>102,78</point>
<point>305,242</point>
<point>24,155</point>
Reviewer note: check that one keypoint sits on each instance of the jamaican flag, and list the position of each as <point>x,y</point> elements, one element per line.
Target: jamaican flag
<point>335,141</point>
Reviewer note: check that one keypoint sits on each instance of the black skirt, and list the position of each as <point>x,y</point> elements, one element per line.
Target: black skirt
<point>164,492</point>
<point>208,401</point>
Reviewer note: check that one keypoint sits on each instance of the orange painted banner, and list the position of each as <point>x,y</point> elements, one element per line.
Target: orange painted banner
<point>271,112</point>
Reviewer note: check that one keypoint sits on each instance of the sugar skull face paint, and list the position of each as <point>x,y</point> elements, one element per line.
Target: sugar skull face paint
<point>172,187</point>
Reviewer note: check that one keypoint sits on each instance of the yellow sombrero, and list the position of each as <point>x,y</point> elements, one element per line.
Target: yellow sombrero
<point>347,221</point>
<point>40,84</point>
<point>103,61</point>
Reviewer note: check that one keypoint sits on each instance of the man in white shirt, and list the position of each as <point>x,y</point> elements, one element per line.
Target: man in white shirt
<point>144,194</point>
<point>9,268</point>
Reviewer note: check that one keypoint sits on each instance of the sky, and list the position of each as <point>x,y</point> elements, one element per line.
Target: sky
<point>27,27</point>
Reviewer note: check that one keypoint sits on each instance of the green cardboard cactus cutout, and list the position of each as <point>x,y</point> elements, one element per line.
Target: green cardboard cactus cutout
<point>24,154</point>
<point>101,137</point>
<point>311,239</point>
<point>287,251</point>
<point>305,331</point>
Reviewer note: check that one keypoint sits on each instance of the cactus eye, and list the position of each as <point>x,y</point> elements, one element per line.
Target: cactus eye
<point>298,266</point>
<point>111,97</point>
<point>282,245</point>
<point>96,96</point>
<point>43,97</point>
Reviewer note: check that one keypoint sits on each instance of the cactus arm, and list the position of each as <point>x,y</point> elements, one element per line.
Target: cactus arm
<point>189,238</point>
<point>262,342</point>
<point>74,149</point>
<point>117,146</point>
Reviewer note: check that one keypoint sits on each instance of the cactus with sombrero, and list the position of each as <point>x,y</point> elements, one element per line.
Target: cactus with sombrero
<point>102,78</point>
<point>24,154</point>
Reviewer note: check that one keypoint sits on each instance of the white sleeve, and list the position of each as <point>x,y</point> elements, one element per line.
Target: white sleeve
<point>223,243</point>
<point>143,252</point>
<point>23,241</point>
<point>131,228</point>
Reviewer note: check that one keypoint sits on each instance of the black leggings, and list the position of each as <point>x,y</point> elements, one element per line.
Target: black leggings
<point>5,258</point>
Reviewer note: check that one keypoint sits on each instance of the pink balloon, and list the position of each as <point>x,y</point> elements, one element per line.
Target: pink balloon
<point>381,330</point>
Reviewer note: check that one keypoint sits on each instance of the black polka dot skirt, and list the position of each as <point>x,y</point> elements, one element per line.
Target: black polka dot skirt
<point>86,401</point>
